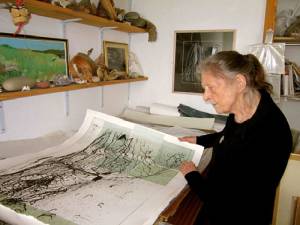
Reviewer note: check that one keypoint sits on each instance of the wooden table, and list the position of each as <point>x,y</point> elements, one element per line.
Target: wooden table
<point>183,210</point>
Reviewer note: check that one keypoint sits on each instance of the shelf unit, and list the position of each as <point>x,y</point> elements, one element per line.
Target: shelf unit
<point>67,15</point>
<point>20,94</point>
<point>288,104</point>
<point>56,12</point>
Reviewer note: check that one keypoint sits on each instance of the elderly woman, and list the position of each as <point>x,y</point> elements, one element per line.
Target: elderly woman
<point>250,154</point>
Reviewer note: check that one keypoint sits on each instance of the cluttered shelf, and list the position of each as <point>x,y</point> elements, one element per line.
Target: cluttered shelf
<point>295,97</point>
<point>33,92</point>
<point>56,12</point>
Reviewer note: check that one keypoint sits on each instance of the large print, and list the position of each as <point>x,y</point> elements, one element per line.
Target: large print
<point>110,172</point>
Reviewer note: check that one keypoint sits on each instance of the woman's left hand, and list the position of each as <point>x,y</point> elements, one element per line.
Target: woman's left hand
<point>187,167</point>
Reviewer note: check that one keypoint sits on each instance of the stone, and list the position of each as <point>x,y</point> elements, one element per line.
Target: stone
<point>17,83</point>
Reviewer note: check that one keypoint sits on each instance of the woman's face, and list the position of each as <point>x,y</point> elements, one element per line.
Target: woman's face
<point>220,92</point>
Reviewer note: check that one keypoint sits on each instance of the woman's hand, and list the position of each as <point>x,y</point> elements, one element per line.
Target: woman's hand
<point>190,139</point>
<point>187,167</point>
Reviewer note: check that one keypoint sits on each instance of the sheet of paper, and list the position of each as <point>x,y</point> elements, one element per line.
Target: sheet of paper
<point>110,172</point>
<point>187,122</point>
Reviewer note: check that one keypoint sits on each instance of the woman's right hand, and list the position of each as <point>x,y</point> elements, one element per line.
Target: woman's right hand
<point>187,167</point>
<point>190,139</point>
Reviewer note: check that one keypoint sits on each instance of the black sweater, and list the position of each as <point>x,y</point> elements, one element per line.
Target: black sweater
<point>247,164</point>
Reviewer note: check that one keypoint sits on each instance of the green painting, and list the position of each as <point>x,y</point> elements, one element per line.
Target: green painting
<point>36,57</point>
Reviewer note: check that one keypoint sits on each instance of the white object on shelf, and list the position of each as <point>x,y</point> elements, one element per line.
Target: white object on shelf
<point>291,81</point>
<point>2,121</point>
<point>270,55</point>
<point>285,84</point>
<point>275,81</point>
<point>186,122</point>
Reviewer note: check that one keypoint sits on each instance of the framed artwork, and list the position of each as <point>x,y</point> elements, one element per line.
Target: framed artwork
<point>116,56</point>
<point>39,58</point>
<point>191,48</point>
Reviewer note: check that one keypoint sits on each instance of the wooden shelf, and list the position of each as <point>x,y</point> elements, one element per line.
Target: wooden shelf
<point>56,12</point>
<point>33,92</point>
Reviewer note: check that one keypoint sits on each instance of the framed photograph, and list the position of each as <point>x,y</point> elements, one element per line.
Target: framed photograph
<point>192,47</point>
<point>39,58</point>
<point>116,56</point>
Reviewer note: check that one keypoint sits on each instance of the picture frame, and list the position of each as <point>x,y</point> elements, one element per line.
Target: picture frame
<point>190,49</point>
<point>40,58</point>
<point>116,56</point>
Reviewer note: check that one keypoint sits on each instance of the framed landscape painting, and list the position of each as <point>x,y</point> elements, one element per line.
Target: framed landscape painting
<point>39,58</point>
<point>191,48</point>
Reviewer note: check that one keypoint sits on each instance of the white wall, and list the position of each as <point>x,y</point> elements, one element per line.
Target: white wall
<point>38,115</point>
<point>246,17</point>
<point>35,116</point>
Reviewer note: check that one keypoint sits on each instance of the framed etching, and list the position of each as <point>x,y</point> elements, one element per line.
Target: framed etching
<point>116,56</point>
<point>39,58</point>
<point>191,48</point>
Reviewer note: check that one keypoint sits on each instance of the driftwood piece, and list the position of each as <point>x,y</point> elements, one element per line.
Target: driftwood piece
<point>108,6</point>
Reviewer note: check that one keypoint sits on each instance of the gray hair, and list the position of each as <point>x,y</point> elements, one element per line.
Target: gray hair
<point>228,64</point>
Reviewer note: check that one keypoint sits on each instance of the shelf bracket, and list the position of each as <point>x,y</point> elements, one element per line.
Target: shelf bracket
<point>102,29</point>
<point>2,121</point>
<point>102,98</point>
<point>64,34</point>
<point>64,22</point>
<point>67,103</point>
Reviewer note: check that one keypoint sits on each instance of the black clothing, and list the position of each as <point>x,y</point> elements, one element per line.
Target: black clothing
<point>247,164</point>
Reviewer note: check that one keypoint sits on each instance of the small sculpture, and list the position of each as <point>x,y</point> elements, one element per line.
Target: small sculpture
<point>20,16</point>
<point>134,19</point>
